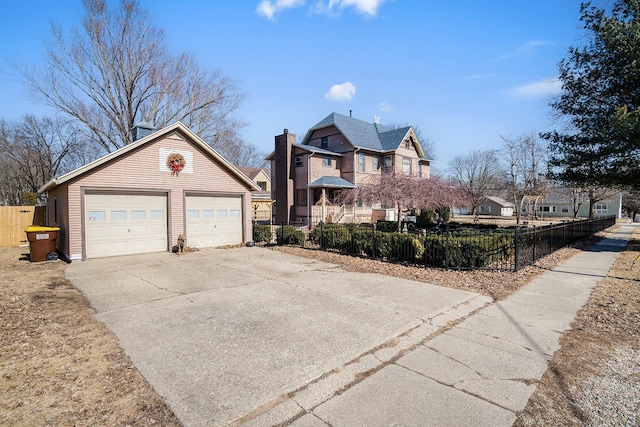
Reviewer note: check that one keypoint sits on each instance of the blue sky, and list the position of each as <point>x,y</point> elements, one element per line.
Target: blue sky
<point>463,72</point>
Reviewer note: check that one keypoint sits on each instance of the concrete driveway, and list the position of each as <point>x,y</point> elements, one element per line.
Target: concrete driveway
<point>225,335</point>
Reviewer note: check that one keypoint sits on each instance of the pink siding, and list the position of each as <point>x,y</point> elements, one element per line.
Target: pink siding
<point>57,210</point>
<point>139,171</point>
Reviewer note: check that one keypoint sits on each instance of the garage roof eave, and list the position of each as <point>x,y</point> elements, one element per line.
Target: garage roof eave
<point>46,187</point>
<point>142,141</point>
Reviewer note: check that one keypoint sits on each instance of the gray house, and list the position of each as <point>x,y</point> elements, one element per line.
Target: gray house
<point>495,206</point>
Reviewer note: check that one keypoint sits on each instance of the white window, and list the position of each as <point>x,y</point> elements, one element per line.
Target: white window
<point>138,215</point>
<point>565,209</point>
<point>361,160</point>
<point>600,208</point>
<point>96,216</point>
<point>406,165</point>
<point>388,163</point>
<point>376,163</point>
<point>207,213</point>
<point>156,215</point>
<point>222,213</point>
<point>326,162</point>
<point>118,215</point>
<point>193,214</point>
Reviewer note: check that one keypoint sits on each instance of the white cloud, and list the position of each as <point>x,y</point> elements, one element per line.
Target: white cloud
<point>540,89</point>
<point>477,76</point>
<point>365,7</point>
<point>342,92</point>
<point>524,49</point>
<point>268,8</point>
<point>384,107</point>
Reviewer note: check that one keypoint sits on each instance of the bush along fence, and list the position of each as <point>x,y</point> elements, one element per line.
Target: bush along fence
<point>460,249</point>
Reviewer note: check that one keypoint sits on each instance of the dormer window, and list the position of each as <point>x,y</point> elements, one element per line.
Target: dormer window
<point>407,144</point>
<point>324,142</point>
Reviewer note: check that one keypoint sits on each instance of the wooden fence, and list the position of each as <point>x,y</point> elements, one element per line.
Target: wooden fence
<point>13,221</point>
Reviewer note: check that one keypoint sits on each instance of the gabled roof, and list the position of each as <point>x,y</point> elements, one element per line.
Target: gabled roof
<point>253,172</point>
<point>331,182</point>
<point>364,135</point>
<point>500,201</point>
<point>143,141</point>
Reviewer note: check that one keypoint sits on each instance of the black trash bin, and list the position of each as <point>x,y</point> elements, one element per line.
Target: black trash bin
<point>42,242</point>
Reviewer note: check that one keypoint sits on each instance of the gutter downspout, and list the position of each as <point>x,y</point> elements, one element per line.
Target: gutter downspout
<point>308,189</point>
<point>355,180</point>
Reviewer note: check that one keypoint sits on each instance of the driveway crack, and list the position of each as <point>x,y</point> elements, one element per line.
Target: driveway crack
<point>156,286</point>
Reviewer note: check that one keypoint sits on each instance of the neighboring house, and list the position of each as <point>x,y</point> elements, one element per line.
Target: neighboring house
<point>141,197</point>
<point>560,203</point>
<point>495,206</point>
<point>338,153</point>
<point>261,202</point>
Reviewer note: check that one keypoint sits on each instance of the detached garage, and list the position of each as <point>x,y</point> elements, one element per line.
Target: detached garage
<point>140,198</point>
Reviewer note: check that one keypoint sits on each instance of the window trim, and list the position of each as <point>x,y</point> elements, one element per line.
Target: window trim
<point>362,161</point>
<point>404,164</point>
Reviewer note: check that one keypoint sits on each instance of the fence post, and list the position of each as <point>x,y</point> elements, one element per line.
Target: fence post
<point>534,245</point>
<point>373,241</point>
<point>323,244</point>
<point>446,251</point>
<point>281,233</point>
<point>515,248</point>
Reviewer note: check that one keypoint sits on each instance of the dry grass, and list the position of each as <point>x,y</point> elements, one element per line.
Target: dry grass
<point>58,365</point>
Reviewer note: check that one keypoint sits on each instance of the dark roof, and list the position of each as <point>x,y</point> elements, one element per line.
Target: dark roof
<point>364,135</point>
<point>331,182</point>
<point>253,172</point>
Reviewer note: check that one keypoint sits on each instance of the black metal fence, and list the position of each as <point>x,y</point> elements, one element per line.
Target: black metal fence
<point>460,248</point>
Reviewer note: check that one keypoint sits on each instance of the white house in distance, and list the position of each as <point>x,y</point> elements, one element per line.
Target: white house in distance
<point>141,197</point>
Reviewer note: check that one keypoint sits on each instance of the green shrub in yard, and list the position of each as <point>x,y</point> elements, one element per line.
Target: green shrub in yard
<point>289,235</point>
<point>262,233</point>
<point>331,236</point>
<point>407,247</point>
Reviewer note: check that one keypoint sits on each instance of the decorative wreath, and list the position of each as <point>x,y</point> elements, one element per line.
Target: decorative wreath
<point>175,162</point>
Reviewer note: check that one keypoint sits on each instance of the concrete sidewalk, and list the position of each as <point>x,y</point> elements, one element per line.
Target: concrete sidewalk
<point>480,372</point>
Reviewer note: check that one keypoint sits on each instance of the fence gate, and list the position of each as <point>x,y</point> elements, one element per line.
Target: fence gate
<point>13,221</point>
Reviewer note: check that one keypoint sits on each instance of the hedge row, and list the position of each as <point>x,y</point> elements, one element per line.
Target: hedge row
<point>461,250</point>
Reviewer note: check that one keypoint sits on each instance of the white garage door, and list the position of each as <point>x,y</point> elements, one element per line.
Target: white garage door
<point>213,221</point>
<point>125,224</point>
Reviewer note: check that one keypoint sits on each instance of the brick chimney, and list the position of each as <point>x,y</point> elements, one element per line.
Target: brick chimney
<point>283,185</point>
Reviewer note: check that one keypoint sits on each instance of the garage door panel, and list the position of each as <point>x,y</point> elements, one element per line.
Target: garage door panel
<point>122,224</point>
<point>214,220</point>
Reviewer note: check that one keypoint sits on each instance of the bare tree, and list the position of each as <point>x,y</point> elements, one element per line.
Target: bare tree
<point>631,203</point>
<point>525,159</point>
<point>116,71</point>
<point>478,174</point>
<point>578,198</point>
<point>242,154</point>
<point>39,149</point>
<point>598,194</point>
